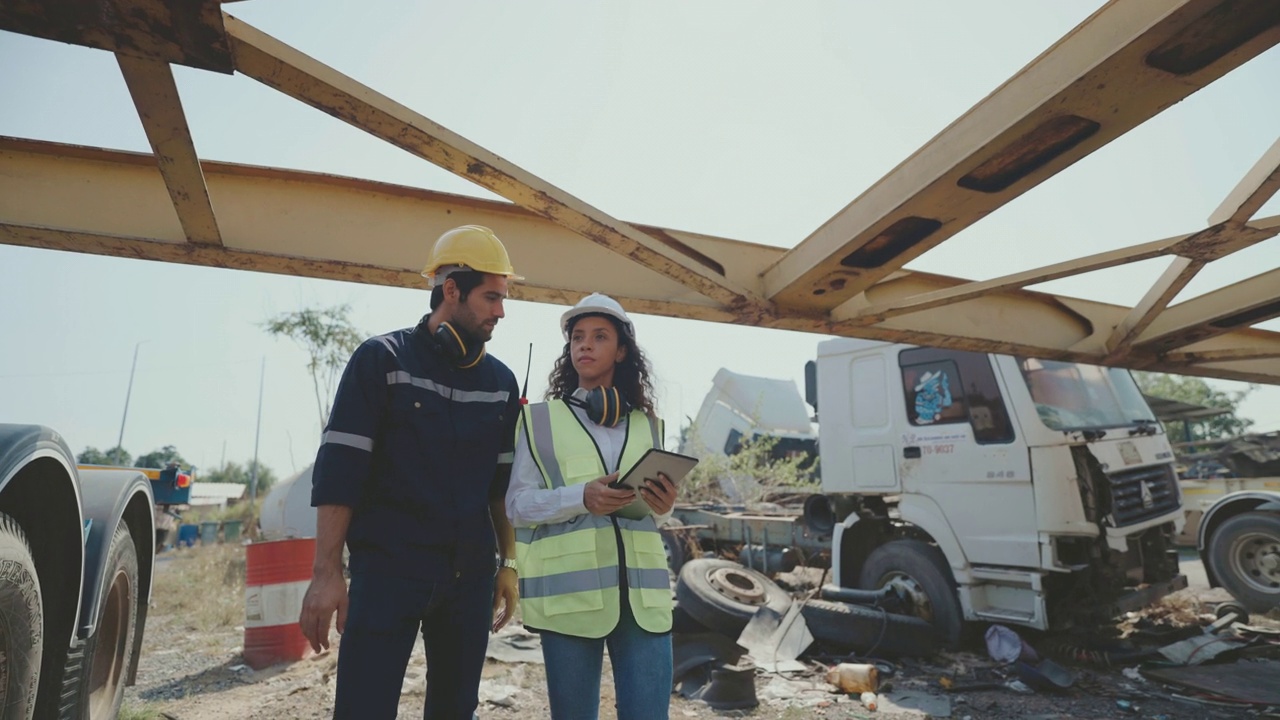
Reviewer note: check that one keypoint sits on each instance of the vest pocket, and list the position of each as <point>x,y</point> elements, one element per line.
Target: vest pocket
<point>565,578</point>
<point>581,468</point>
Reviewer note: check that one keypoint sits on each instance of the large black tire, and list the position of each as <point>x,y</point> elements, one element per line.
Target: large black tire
<point>724,595</point>
<point>1244,553</point>
<point>868,630</point>
<point>21,623</point>
<point>922,570</point>
<point>95,678</point>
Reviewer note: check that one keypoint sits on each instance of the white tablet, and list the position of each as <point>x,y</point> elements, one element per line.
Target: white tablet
<point>674,465</point>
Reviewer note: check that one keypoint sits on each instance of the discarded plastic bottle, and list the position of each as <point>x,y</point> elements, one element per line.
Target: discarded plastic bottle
<point>869,700</point>
<point>854,678</point>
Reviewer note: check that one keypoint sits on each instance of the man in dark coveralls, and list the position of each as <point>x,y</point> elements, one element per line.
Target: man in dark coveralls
<point>411,474</point>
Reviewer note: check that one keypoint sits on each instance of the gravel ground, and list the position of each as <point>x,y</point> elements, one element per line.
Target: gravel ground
<point>192,669</point>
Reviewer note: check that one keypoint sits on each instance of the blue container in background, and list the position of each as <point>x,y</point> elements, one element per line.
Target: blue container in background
<point>187,535</point>
<point>208,533</point>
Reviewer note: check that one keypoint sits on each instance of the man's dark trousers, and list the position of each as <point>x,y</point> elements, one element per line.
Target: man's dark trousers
<point>384,616</point>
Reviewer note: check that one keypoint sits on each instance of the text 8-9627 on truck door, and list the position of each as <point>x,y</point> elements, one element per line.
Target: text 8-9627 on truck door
<point>76,559</point>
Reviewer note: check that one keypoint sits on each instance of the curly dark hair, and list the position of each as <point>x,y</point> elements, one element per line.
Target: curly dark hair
<point>632,376</point>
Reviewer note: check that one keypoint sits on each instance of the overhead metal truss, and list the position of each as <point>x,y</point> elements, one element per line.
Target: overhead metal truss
<point>1119,68</point>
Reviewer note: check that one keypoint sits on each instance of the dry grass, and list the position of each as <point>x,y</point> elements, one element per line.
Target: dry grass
<point>130,711</point>
<point>203,589</point>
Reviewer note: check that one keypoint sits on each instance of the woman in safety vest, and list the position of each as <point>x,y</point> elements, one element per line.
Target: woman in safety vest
<point>590,578</point>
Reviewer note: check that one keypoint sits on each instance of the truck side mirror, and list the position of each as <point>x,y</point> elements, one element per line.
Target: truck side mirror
<point>811,384</point>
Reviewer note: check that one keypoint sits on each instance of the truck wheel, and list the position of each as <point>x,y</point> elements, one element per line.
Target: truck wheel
<point>21,623</point>
<point>1245,555</point>
<point>95,679</point>
<point>724,595</point>
<point>920,570</point>
<point>868,630</point>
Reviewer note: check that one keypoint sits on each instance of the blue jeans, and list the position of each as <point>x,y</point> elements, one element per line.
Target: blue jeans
<point>641,672</point>
<point>384,616</point>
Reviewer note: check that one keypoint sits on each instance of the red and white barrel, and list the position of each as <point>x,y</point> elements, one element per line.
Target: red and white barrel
<point>276,577</point>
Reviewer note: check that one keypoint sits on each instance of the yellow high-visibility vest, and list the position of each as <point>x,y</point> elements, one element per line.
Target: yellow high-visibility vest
<point>569,571</point>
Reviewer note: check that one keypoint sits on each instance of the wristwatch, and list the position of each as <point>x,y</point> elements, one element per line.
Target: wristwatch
<point>509,563</point>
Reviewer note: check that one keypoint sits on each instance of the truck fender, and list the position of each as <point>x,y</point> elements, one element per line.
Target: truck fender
<point>110,496</point>
<point>1228,507</point>
<point>852,539</point>
<point>40,488</point>
<point>924,513</point>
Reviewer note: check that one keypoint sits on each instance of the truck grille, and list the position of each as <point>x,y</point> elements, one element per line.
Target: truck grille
<point>1142,494</point>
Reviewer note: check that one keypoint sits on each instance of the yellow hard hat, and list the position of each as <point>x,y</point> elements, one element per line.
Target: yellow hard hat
<point>471,246</point>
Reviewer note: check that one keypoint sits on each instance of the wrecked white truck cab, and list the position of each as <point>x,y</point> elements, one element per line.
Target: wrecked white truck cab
<point>994,488</point>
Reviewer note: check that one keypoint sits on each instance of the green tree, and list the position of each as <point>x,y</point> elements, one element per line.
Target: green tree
<point>329,338</point>
<point>236,473</point>
<point>1196,391</point>
<point>160,458</point>
<point>115,456</point>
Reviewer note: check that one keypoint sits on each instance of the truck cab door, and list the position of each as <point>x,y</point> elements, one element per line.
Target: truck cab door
<point>958,446</point>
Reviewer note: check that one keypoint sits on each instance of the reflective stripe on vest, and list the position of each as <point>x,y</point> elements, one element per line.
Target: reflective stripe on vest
<point>569,571</point>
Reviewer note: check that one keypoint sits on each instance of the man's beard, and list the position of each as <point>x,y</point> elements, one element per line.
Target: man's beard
<point>471,325</point>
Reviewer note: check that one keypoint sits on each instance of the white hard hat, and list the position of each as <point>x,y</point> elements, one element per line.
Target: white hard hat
<point>597,303</point>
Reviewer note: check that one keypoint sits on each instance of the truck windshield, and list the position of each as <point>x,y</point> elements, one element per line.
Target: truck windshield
<point>1072,396</point>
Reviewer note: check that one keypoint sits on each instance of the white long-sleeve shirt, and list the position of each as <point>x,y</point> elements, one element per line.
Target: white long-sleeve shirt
<point>529,503</point>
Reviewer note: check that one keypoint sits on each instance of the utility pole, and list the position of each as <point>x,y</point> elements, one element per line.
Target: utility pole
<point>253,471</point>
<point>127,393</point>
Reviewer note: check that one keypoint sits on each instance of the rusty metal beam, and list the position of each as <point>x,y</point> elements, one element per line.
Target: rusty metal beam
<point>1236,306</point>
<point>1208,356</point>
<point>277,65</point>
<point>1123,65</point>
<point>1175,277</point>
<point>114,203</point>
<point>155,94</point>
<point>189,32</point>
<point>871,314</point>
<point>1258,186</point>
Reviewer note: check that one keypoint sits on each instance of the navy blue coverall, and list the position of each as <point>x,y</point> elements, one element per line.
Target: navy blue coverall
<point>413,446</point>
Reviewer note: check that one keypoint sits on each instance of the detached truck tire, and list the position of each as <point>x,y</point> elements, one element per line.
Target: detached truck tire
<point>95,679</point>
<point>21,623</point>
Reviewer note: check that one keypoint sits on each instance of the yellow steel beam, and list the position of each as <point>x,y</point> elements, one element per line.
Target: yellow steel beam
<point>1175,277</point>
<point>307,224</point>
<point>277,65</point>
<point>155,94</point>
<point>1123,65</point>
<point>870,314</point>
<point>1257,187</point>
<point>1240,305</point>
<point>188,32</point>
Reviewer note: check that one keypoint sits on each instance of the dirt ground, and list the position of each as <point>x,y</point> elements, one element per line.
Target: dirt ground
<point>192,669</point>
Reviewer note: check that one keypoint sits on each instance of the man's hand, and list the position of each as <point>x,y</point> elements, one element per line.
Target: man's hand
<point>659,494</point>
<point>600,499</point>
<point>505,593</point>
<point>326,594</point>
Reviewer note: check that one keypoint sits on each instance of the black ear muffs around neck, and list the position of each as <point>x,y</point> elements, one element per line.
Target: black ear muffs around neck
<point>458,345</point>
<point>604,406</point>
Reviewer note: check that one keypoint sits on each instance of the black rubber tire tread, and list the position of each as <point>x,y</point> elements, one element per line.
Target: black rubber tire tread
<point>71,681</point>
<point>705,604</point>
<point>21,619</point>
<point>925,564</point>
<point>869,631</point>
<point>1254,600</point>
<point>122,555</point>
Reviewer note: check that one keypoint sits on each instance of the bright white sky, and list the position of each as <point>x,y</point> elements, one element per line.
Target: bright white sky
<point>749,120</point>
